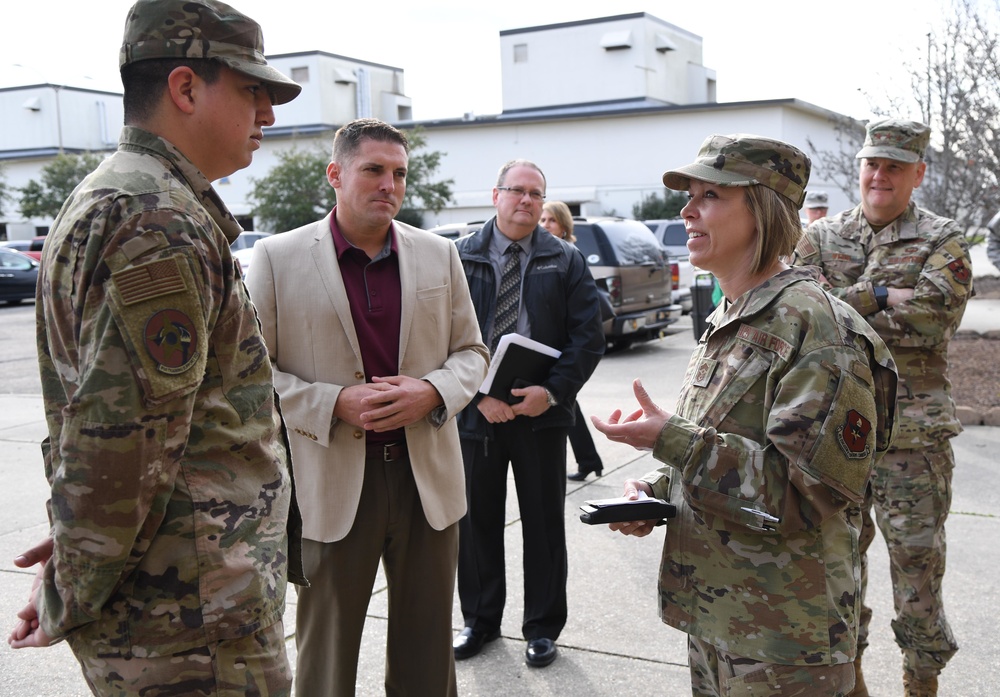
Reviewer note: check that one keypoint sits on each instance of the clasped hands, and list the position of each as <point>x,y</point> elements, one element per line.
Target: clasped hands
<point>534,402</point>
<point>386,404</point>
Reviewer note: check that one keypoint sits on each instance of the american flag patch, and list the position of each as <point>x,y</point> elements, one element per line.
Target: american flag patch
<point>149,281</point>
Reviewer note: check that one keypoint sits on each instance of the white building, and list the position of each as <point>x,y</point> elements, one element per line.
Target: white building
<point>603,105</point>
<point>604,161</point>
<point>634,58</point>
<point>41,121</point>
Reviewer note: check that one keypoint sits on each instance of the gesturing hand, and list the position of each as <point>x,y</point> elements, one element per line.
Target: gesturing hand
<point>639,429</point>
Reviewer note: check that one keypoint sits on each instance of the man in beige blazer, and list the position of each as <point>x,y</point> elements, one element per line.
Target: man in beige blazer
<point>376,347</point>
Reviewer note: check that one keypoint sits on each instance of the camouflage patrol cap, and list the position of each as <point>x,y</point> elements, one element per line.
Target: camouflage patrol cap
<point>817,199</point>
<point>201,29</point>
<point>895,140</point>
<point>745,160</point>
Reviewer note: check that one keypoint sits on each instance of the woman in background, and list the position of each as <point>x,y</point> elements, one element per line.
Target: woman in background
<point>557,219</point>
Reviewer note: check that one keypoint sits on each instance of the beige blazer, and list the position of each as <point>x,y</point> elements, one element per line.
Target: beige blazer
<point>296,285</point>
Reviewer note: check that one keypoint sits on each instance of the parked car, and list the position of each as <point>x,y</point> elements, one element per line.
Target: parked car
<point>671,234</point>
<point>683,275</point>
<point>243,256</point>
<point>247,240</point>
<point>455,230</point>
<point>627,262</point>
<point>34,249</point>
<point>18,276</point>
<point>18,245</point>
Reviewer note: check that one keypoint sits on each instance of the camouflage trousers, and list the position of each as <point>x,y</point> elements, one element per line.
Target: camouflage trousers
<point>252,666</point>
<point>718,673</point>
<point>910,492</point>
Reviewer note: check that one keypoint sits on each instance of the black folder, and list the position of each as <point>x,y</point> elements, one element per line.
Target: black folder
<point>621,510</point>
<point>518,362</point>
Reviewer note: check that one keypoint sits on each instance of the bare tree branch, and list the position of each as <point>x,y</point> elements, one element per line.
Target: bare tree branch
<point>956,91</point>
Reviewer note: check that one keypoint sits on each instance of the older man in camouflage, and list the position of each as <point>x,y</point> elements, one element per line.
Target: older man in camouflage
<point>174,528</point>
<point>907,272</point>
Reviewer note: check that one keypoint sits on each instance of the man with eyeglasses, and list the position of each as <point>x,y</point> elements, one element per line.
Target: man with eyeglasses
<point>523,280</point>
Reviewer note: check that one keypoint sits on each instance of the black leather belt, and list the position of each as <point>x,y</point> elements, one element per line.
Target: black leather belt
<point>385,452</point>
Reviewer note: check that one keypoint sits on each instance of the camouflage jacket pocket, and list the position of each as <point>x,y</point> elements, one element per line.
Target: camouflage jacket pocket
<point>717,385</point>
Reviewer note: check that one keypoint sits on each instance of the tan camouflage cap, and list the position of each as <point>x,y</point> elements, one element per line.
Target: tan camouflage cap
<point>744,160</point>
<point>201,29</point>
<point>817,199</point>
<point>896,140</point>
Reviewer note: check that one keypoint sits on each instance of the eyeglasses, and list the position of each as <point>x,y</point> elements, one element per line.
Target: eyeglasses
<point>536,196</point>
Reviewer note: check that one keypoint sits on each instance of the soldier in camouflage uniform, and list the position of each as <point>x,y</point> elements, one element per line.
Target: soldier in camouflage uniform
<point>787,403</point>
<point>174,528</point>
<point>907,272</point>
<point>817,206</point>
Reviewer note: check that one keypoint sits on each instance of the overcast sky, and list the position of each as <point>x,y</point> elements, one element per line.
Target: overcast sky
<point>829,54</point>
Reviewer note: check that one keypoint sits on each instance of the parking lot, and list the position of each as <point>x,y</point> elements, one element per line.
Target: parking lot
<point>614,643</point>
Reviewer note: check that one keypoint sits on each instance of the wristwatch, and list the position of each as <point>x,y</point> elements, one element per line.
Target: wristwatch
<point>881,294</point>
<point>550,398</point>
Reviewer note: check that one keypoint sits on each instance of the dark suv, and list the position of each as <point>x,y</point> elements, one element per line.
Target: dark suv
<point>627,262</point>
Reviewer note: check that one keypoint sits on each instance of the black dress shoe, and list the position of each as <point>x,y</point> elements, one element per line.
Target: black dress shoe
<point>540,652</point>
<point>470,642</point>
<point>582,473</point>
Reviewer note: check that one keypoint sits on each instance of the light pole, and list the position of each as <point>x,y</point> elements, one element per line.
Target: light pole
<point>55,89</point>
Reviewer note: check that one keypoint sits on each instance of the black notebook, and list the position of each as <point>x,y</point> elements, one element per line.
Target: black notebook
<point>518,362</point>
<point>621,510</point>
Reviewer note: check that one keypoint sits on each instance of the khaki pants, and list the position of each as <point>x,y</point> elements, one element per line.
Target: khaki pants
<point>419,563</point>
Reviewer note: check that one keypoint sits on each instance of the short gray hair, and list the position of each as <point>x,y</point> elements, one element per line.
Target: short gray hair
<point>519,163</point>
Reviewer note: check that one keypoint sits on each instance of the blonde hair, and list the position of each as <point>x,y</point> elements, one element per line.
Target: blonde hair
<point>560,211</point>
<point>778,226</point>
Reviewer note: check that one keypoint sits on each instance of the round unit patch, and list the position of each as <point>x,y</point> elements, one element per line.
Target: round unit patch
<point>171,341</point>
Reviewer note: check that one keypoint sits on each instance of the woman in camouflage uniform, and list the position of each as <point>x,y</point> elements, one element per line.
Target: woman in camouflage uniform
<point>787,402</point>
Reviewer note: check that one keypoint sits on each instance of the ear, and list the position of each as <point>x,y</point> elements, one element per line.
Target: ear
<point>181,85</point>
<point>921,170</point>
<point>333,174</point>
<point>496,195</point>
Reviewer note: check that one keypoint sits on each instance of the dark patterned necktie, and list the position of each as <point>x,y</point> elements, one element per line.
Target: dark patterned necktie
<point>509,300</point>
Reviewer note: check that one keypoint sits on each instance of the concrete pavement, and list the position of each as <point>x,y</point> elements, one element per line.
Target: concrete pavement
<point>614,643</point>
